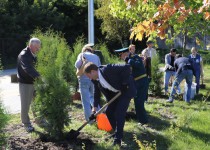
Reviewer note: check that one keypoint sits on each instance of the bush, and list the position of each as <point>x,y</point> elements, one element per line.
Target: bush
<point>3,121</point>
<point>155,85</point>
<point>107,57</point>
<point>77,48</point>
<point>52,89</point>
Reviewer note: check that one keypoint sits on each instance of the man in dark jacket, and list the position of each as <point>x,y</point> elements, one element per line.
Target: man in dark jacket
<point>141,81</point>
<point>110,79</point>
<point>26,77</point>
<point>184,70</point>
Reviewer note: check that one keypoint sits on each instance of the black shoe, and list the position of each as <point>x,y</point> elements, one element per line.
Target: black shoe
<point>143,124</point>
<point>29,128</point>
<point>111,136</point>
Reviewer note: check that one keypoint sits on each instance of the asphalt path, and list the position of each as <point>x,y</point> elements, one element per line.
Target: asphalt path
<point>9,92</point>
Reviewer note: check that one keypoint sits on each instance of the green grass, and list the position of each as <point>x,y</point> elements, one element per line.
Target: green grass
<point>176,126</point>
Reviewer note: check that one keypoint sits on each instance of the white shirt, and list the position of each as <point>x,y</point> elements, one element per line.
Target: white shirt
<point>150,52</point>
<point>104,83</point>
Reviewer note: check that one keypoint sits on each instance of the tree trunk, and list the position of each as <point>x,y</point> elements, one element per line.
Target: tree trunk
<point>184,40</point>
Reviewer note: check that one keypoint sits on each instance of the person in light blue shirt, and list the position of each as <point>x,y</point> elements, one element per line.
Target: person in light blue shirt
<point>86,87</point>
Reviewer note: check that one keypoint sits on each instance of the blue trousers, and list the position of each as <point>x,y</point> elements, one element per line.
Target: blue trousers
<point>116,112</point>
<point>142,86</point>
<point>86,88</point>
<point>197,80</point>
<point>187,75</point>
<point>167,75</point>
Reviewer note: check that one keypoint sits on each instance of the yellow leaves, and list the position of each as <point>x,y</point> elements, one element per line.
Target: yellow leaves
<point>161,30</point>
<point>176,4</point>
<point>146,28</point>
<point>205,7</point>
<point>198,42</point>
<point>146,23</point>
<point>206,4</point>
<point>207,15</point>
<point>181,19</point>
<point>130,2</point>
<point>167,12</point>
<point>145,1</point>
<point>140,30</point>
<point>161,34</point>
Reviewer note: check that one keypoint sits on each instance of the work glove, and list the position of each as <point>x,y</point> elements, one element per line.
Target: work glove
<point>124,88</point>
<point>173,68</point>
<point>92,116</point>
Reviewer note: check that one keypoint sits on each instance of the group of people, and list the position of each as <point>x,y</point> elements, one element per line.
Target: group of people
<point>182,68</point>
<point>130,79</point>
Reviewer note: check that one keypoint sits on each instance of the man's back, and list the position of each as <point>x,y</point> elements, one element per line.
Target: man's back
<point>90,57</point>
<point>182,61</point>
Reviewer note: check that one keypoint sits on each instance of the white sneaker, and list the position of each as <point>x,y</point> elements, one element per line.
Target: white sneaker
<point>169,101</point>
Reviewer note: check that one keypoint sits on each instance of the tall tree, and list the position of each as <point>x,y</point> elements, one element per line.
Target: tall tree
<point>113,27</point>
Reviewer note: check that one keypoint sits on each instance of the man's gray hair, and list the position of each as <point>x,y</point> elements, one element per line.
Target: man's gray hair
<point>34,41</point>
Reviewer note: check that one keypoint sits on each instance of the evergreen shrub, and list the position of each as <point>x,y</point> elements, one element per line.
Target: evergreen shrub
<point>77,48</point>
<point>52,89</point>
<point>4,117</point>
<point>156,82</point>
<point>107,57</point>
<point>3,122</point>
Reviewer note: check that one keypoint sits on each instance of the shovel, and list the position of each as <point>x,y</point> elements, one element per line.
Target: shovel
<point>73,134</point>
<point>202,86</point>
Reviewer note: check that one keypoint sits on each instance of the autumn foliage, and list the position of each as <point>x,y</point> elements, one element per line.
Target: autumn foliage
<point>170,9</point>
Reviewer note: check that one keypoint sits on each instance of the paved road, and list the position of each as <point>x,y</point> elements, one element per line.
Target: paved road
<point>9,92</point>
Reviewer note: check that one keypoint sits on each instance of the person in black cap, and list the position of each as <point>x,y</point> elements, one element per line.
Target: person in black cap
<point>141,81</point>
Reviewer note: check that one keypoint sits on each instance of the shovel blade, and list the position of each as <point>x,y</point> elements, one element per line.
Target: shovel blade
<point>73,134</point>
<point>202,86</point>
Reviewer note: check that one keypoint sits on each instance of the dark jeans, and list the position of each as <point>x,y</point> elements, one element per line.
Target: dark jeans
<point>142,86</point>
<point>116,112</point>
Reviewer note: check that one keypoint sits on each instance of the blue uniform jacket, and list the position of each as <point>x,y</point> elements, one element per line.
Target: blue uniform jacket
<point>196,63</point>
<point>137,65</point>
<point>116,76</point>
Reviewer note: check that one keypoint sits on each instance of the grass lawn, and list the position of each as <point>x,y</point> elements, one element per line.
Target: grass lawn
<point>174,126</point>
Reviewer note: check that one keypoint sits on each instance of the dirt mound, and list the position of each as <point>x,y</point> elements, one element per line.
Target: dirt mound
<point>21,140</point>
<point>19,143</point>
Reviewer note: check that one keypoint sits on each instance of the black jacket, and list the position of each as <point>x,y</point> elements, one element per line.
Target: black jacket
<point>116,76</point>
<point>26,67</point>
